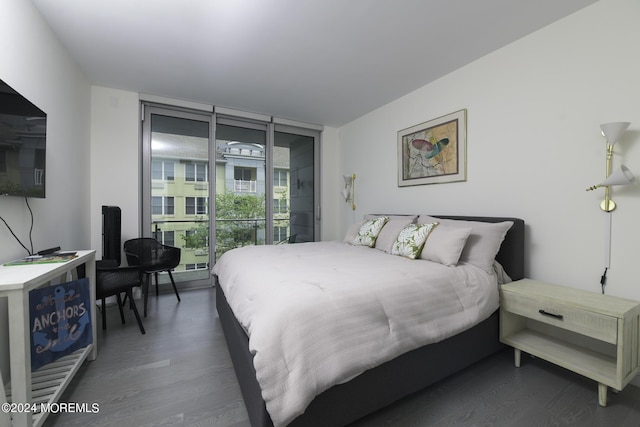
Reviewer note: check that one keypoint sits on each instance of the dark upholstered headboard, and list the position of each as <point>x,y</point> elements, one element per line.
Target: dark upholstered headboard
<point>511,254</point>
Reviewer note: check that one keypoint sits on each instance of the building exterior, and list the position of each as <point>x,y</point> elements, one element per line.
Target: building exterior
<point>180,196</point>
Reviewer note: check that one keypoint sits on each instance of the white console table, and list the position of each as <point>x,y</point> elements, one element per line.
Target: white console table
<point>48,383</point>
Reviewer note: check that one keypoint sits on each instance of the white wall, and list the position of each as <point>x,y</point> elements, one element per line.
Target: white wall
<point>534,145</point>
<point>36,65</point>
<point>115,160</point>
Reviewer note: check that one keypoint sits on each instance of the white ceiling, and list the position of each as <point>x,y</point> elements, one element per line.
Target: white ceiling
<point>318,61</point>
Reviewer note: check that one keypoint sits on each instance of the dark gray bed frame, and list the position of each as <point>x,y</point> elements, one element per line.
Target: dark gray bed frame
<point>391,381</point>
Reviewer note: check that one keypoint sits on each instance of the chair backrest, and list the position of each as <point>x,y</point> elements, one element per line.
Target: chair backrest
<point>111,233</point>
<point>140,251</point>
<point>151,254</point>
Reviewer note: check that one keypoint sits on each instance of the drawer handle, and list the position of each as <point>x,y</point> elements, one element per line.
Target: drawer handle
<point>546,313</point>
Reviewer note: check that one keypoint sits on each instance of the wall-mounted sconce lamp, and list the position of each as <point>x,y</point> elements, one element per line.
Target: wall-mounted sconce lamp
<point>622,176</point>
<point>349,190</point>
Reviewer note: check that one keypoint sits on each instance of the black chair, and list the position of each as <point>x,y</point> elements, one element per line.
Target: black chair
<point>153,257</point>
<point>113,280</point>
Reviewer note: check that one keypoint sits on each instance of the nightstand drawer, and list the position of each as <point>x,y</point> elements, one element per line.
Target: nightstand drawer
<point>595,325</point>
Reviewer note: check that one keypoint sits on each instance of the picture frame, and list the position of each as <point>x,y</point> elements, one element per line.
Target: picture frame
<point>433,152</point>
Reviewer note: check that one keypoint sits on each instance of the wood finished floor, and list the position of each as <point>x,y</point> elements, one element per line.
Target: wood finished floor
<point>180,374</point>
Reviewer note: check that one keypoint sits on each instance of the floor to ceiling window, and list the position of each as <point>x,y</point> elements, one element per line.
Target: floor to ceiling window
<point>176,190</point>
<point>262,187</point>
<point>241,184</point>
<point>295,214</point>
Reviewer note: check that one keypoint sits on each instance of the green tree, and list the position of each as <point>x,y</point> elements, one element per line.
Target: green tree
<point>197,237</point>
<point>239,206</point>
<point>238,218</point>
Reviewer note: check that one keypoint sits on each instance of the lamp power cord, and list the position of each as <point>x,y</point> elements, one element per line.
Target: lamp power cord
<point>603,279</point>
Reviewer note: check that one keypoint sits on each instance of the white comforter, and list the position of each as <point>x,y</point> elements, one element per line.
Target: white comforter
<point>318,314</point>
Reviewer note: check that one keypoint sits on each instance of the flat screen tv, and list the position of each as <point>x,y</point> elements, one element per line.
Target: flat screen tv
<point>23,134</point>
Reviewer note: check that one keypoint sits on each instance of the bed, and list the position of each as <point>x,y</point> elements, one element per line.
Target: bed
<point>384,382</point>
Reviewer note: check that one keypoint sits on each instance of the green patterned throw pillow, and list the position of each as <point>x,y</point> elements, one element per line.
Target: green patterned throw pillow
<point>411,240</point>
<point>369,231</point>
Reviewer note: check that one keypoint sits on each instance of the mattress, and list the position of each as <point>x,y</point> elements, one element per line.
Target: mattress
<point>318,314</point>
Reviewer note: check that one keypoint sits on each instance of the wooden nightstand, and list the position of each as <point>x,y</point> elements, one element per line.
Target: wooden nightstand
<point>594,335</point>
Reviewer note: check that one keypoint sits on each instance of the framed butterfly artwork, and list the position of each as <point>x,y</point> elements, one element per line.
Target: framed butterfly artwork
<point>433,152</point>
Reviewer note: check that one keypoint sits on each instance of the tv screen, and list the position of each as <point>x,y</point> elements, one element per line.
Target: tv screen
<point>23,134</point>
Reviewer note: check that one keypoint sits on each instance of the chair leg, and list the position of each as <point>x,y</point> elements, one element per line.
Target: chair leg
<point>120,303</point>
<point>145,291</point>
<point>174,285</point>
<point>157,284</point>
<point>104,314</point>
<point>135,311</point>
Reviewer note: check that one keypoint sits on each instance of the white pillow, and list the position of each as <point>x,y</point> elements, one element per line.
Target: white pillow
<point>390,232</point>
<point>411,240</point>
<point>445,243</point>
<point>352,232</point>
<point>369,231</point>
<point>483,242</point>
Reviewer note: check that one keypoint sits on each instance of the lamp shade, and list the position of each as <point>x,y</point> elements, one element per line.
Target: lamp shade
<point>613,131</point>
<point>621,176</point>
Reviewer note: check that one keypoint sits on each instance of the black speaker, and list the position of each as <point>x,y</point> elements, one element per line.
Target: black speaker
<point>111,233</point>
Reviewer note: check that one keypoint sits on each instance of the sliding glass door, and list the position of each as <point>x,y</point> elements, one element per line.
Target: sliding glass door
<point>266,184</point>
<point>176,188</point>
<point>211,183</point>
<point>241,185</point>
